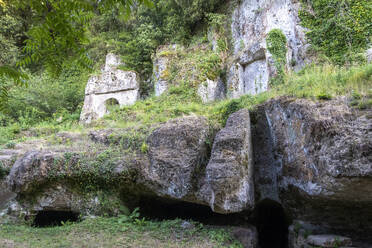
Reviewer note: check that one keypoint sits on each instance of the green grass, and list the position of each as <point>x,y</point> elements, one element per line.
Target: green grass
<point>314,82</point>
<point>116,232</point>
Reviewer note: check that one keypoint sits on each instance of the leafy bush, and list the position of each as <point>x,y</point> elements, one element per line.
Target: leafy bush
<point>12,28</point>
<point>277,46</point>
<point>136,39</point>
<point>47,98</point>
<point>338,28</point>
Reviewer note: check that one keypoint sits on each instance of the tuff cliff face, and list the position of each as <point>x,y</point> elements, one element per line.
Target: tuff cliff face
<point>315,159</point>
<point>312,158</point>
<point>305,164</point>
<point>252,64</point>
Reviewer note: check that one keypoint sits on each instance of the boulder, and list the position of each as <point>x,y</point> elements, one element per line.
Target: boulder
<point>178,152</point>
<point>327,240</point>
<point>113,86</point>
<point>319,158</point>
<point>229,186</point>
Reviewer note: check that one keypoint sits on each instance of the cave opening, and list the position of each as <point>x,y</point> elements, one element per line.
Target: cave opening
<point>54,218</point>
<point>272,224</point>
<point>111,104</point>
<point>160,209</point>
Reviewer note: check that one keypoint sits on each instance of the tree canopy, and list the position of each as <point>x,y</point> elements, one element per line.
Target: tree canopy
<point>58,32</point>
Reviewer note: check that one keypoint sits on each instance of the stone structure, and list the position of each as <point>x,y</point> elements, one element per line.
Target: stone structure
<point>229,181</point>
<point>161,68</point>
<point>210,91</point>
<point>252,65</point>
<point>113,86</point>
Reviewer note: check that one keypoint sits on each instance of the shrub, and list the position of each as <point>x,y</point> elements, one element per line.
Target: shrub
<point>277,46</point>
<point>47,98</point>
<point>338,28</point>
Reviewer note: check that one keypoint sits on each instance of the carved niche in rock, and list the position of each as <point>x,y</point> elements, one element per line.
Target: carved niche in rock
<point>112,87</point>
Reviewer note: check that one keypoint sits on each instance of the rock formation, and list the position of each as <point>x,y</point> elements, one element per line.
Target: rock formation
<point>229,184</point>
<point>161,68</point>
<point>208,90</point>
<point>113,86</point>
<point>313,159</point>
<point>252,65</point>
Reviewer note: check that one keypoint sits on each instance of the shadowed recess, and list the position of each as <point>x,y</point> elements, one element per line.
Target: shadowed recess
<point>54,218</point>
<point>272,224</point>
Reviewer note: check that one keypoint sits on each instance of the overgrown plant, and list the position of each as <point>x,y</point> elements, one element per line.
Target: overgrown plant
<point>340,29</point>
<point>277,46</point>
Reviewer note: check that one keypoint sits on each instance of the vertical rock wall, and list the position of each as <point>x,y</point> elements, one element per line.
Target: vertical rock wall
<point>251,66</point>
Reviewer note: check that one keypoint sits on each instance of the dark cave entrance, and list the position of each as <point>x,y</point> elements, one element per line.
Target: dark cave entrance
<point>54,218</point>
<point>111,104</point>
<point>160,209</point>
<point>272,224</point>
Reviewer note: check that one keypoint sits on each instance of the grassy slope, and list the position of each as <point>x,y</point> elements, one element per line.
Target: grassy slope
<point>315,82</point>
<point>113,232</point>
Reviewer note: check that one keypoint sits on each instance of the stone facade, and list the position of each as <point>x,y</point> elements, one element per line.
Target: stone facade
<point>161,67</point>
<point>115,85</point>
<point>210,90</point>
<point>252,65</point>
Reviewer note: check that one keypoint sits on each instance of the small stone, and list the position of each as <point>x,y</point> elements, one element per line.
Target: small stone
<point>187,225</point>
<point>328,240</point>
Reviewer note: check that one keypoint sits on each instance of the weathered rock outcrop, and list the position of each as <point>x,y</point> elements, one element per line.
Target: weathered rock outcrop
<point>319,159</point>
<point>178,151</point>
<point>70,182</point>
<point>252,65</point>
<point>171,168</point>
<point>229,184</point>
<point>210,91</point>
<point>161,68</point>
<point>164,65</point>
<point>113,86</point>
<point>311,158</point>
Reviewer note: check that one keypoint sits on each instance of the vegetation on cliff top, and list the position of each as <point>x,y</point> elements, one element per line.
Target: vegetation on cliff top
<point>314,82</point>
<point>339,29</point>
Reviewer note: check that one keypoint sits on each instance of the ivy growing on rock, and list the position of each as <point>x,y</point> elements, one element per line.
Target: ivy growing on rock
<point>277,46</point>
<point>339,29</point>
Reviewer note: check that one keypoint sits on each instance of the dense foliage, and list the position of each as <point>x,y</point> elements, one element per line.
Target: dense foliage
<point>338,28</point>
<point>136,39</point>
<point>277,46</point>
